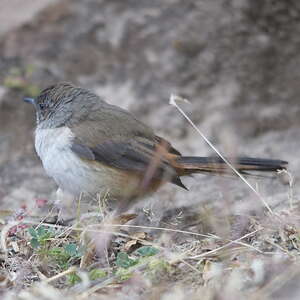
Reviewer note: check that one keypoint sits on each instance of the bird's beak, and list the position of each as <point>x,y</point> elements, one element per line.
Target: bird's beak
<point>29,100</point>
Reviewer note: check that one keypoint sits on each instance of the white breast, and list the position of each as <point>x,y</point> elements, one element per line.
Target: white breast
<point>54,140</point>
<point>66,168</point>
<point>75,175</point>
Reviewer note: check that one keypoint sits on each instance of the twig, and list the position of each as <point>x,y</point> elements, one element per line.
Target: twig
<point>172,101</point>
<point>152,228</point>
<point>225,246</point>
<point>62,274</point>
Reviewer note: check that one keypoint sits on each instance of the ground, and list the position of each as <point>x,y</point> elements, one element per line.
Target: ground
<point>237,62</point>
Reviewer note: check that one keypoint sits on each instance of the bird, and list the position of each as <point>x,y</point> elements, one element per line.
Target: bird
<point>90,146</point>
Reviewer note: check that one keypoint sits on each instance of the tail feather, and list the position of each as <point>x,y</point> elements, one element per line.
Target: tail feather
<point>188,165</point>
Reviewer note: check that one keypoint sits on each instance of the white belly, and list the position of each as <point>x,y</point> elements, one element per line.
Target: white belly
<point>65,167</point>
<point>74,175</point>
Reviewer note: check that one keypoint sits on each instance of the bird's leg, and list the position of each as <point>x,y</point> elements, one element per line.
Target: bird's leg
<point>65,203</point>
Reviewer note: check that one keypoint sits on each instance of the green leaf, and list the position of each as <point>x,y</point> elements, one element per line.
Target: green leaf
<point>158,265</point>
<point>60,256</point>
<point>71,249</point>
<point>147,251</point>
<point>34,243</point>
<point>124,261</point>
<point>73,278</point>
<point>32,232</point>
<point>96,274</point>
<point>56,251</point>
<point>123,274</point>
<point>41,231</point>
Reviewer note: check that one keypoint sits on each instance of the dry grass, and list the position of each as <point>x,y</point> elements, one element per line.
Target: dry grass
<point>249,256</point>
<point>41,261</point>
<point>260,264</point>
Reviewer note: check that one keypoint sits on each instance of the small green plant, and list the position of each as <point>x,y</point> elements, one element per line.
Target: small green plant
<point>147,251</point>
<point>73,278</point>
<point>97,274</point>
<point>66,255</point>
<point>63,256</point>
<point>94,274</point>
<point>124,261</point>
<point>127,264</point>
<point>156,267</point>
<point>123,274</point>
<point>40,236</point>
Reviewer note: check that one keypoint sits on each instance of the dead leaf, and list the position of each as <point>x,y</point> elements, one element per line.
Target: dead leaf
<point>135,242</point>
<point>123,219</point>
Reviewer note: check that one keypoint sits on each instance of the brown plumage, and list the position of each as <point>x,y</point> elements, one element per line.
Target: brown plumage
<point>156,162</point>
<point>88,145</point>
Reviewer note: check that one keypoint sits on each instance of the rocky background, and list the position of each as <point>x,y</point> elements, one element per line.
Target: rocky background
<point>236,61</point>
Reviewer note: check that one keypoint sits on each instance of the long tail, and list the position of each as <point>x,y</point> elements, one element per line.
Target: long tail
<point>188,165</point>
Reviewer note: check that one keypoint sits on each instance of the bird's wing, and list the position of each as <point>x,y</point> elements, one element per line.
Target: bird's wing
<point>121,141</point>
